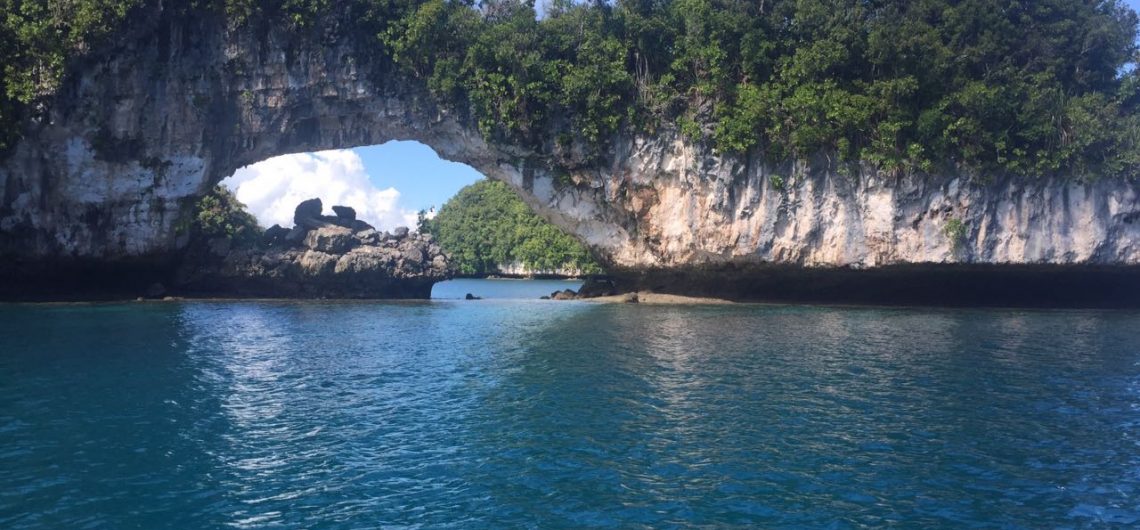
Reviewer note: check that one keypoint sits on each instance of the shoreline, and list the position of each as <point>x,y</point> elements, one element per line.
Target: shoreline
<point>946,286</point>
<point>644,298</point>
<point>651,298</point>
<point>553,277</point>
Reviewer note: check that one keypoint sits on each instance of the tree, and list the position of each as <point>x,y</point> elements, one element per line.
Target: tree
<point>995,86</point>
<point>486,226</point>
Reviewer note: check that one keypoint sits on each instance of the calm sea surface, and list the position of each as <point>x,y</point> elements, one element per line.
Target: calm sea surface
<point>528,414</point>
<point>501,289</point>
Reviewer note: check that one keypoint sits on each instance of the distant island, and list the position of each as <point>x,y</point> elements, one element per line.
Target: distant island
<point>488,231</point>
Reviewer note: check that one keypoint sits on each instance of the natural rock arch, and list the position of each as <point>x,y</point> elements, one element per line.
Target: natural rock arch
<point>138,131</point>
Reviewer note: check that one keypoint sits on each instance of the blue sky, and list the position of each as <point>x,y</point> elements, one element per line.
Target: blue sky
<point>424,179</point>
<point>387,184</point>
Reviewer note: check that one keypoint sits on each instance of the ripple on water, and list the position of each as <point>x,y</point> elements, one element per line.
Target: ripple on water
<point>505,414</point>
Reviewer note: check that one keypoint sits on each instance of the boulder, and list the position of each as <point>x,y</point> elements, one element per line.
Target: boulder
<point>338,221</point>
<point>414,256</point>
<point>360,263</point>
<point>593,288</point>
<point>400,232</point>
<point>315,263</point>
<point>307,210</point>
<point>345,212</point>
<point>368,237</point>
<point>295,236</point>
<point>275,235</point>
<point>360,226</point>
<point>330,239</point>
<point>472,297</point>
<point>315,223</point>
<point>565,294</point>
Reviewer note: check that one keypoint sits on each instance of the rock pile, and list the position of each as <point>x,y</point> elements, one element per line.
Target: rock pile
<point>322,256</point>
<point>591,288</point>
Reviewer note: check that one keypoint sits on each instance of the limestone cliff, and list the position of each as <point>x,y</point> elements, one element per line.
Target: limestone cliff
<point>140,130</point>
<point>517,269</point>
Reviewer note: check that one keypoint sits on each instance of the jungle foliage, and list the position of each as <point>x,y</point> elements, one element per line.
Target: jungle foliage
<point>996,86</point>
<point>486,225</point>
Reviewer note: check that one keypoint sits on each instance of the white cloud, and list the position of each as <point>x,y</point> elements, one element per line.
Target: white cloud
<point>272,189</point>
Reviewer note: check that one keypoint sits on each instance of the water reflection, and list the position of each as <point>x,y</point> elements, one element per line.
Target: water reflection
<point>866,416</point>
<point>509,414</point>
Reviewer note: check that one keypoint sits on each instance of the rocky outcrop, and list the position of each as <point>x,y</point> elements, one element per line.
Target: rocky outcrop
<point>595,287</point>
<point>603,290</point>
<point>591,288</point>
<point>141,130</point>
<point>334,257</point>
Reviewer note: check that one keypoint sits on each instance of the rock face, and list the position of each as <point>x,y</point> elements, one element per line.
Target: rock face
<point>111,183</point>
<point>517,269</point>
<point>331,239</point>
<point>331,262</point>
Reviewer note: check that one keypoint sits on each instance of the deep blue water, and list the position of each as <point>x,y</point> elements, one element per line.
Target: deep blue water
<point>529,414</point>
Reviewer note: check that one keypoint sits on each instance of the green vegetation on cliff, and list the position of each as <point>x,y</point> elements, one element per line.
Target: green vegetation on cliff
<point>220,215</point>
<point>993,85</point>
<point>486,225</point>
<point>37,38</point>
<point>999,86</point>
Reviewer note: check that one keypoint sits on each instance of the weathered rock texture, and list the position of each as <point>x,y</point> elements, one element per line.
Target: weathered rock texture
<point>142,129</point>
<point>339,257</point>
<point>517,269</point>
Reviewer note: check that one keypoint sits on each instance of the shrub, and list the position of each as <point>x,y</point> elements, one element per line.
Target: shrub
<point>219,214</point>
<point>955,232</point>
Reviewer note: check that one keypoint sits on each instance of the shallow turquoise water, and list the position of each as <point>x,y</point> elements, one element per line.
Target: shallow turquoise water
<point>505,289</point>
<point>527,414</point>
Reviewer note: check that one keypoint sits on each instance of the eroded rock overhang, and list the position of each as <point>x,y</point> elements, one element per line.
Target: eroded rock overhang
<point>141,129</point>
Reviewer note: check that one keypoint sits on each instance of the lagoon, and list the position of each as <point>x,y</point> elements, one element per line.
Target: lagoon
<point>519,413</point>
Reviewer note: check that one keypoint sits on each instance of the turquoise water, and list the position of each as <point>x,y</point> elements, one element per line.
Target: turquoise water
<point>505,289</point>
<point>528,414</point>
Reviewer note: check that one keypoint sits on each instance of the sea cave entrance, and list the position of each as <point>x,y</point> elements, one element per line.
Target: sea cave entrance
<point>388,184</point>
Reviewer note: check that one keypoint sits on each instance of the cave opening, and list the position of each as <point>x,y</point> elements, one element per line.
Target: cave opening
<point>387,185</point>
<point>486,230</point>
